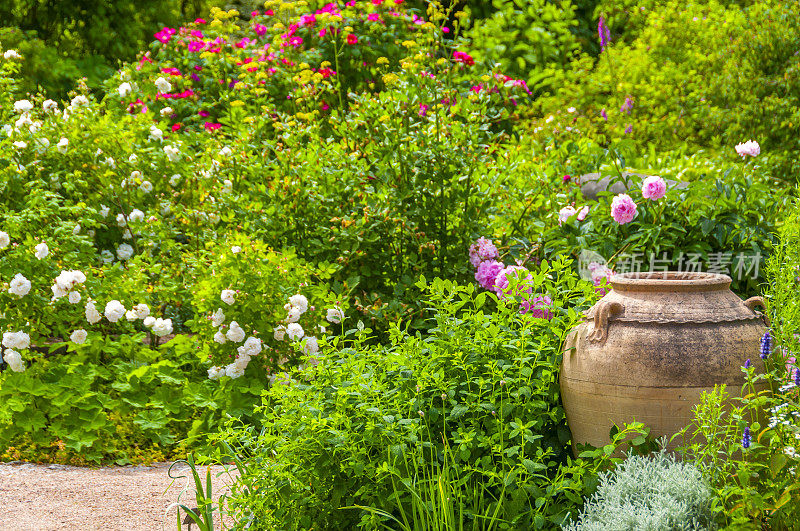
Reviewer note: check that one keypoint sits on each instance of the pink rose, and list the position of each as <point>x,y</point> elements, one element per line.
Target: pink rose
<point>750,147</point>
<point>654,188</point>
<point>623,209</point>
<point>582,213</point>
<point>565,213</point>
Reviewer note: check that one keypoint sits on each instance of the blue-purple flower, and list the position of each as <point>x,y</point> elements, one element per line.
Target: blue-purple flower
<point>766,345</point>
<point>627,105</point>
<point>748,364</point>
<point>604,32</point>
<point>604,114</point>
<point>746,438</point>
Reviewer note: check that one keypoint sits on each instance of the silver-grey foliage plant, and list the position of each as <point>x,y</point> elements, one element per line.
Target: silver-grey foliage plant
<point>650,493</point>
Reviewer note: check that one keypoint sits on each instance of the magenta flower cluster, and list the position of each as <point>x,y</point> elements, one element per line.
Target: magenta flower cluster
<point>493,275</point>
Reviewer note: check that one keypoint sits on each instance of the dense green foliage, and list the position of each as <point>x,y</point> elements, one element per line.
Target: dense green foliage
<point>481,390</point>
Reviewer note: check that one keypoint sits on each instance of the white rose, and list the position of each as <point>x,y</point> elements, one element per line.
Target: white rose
<point>76,229</point>
<point>127,234</point>
<point>130,315</point>
<point>149,321</point>
<point>163,85</point>
<point>104,211</point>
<point>114,311</point>
<point>146,187</point>
<point>20,144</point>
<point>279,333</point>
<point>234,371</point>
<point>235,332</point>
<point>156,133</point>
<point>92,315</point>
<point>236,249</point>
<point>19,285</point>
<point>300,302</point>
<point>78,336</point>
<point>124,251</point>
<point>173,153</point>
<point>18,340</point>
<point>335,315</point>
<point>162,327</point>
<point>294,315</point>
<point>106,256</point>
<point>62,145</point>
<point>124,89</point>
<point>14,360</point>
<point>133,158</point>
<point>215,373</point>
<point>79,101</point>
<point>251,347</point>
<point>220,338</point>
<point>294,331</point>
<point>166,111</point>
<point>228,296</point>
<point>174,180</point>
<point>74,297</point>
<point>5,241</point>
<point>311,345</point>
<point>50,106</point>
<point>136,215</point>
<point>224,152</point>
<point>142,310</point>
<point>23,106</point>
<point>42,251</point>
<point>121,221</point>
<point>11,54</point>
<point>217,318</point>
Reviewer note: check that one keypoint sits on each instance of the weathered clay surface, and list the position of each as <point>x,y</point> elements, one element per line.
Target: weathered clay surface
<point>651,347</point>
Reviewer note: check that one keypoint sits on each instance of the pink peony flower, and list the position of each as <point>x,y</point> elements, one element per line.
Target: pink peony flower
<point>487,273</point>
<point>582,213</point>
<point>538,306</point>
<point>600,276</point>
<point>750,147</point>
<point>623,209</point>
<point>501,282</point>
<point>481,250</point>
<point>654,188</point>
<point>565,213</point>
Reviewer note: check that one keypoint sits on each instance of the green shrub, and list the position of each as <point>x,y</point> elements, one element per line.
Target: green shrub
<point>652,492</point>
<point>528,38</point>
<point>747,446</point>
<point>484,384</point>
<point>664,70</point>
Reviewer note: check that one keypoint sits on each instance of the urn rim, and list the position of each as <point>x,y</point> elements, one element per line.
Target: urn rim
<point>670,281</point>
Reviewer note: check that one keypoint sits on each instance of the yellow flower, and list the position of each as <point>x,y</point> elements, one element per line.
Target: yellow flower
<point>409,44</point>
<point>237,103</point>
<point>390,79</point>
<point>216,23</point>
<point>380,61</point>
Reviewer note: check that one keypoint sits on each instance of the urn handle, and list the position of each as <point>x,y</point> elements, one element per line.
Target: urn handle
<point>752,302</point>
<point>602,312</point>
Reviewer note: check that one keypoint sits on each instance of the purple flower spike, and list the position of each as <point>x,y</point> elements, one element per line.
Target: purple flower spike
<point>604,32</point>
<point>766,345</point>
<point>746,438</point>
<point>748,364</point>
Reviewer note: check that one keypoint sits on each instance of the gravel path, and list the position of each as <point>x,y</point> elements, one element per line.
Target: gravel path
<point>58,497</point>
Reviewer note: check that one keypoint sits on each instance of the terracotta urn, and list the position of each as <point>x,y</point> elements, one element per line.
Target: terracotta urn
<point>651,347</point>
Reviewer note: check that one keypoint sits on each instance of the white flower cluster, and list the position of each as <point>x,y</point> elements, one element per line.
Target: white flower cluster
<point>13,342</point>
<point>19,285</point>
<point>65,283</point>
<point>236,334</point>
<point>42,251</point>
